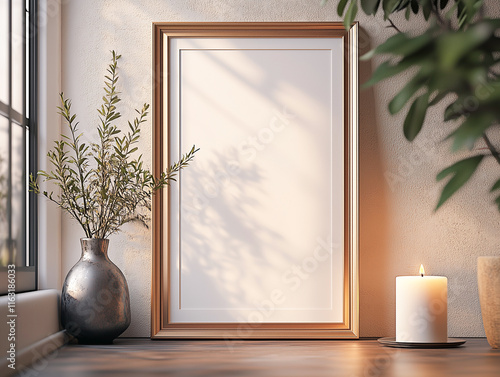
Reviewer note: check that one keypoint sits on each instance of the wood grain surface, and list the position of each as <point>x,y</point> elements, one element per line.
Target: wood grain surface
<point>349,358</point>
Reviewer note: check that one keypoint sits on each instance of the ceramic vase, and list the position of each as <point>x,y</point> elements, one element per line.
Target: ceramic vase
<point>95,302</point>
<point>488,276</point>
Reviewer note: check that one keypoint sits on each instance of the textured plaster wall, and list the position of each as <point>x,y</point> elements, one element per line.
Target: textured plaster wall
<point>397,179</point>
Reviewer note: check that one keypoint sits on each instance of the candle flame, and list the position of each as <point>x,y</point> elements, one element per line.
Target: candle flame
<point>422,271</point>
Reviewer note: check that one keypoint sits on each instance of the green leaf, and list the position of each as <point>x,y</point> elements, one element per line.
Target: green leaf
<point>403,4</point>
<point>389,6</point>
<point>471,130</point>
<point>453,111</point>
<point>496,186</point>
<point>454,46</point>
<point>387,69</point>
<point>350,14</point>
<point>426,10</point>
<point>401,44</point>
<point>461,171</point>
<point>400,99</point>
<point>415,117</point>
<point>414,6</point>
<point>370,6</point>
<point>471,7</point>
<point>443,4</point>
<point>341,7</point>
<point>438,98</point>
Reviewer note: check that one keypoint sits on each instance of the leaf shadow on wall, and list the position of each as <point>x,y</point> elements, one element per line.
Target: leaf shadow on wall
<point>221,244</point>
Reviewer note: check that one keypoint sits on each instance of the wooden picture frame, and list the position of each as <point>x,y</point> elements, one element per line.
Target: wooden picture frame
<point>218,85</point>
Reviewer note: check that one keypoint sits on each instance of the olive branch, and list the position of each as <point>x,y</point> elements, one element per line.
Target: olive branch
<point>102,185</point>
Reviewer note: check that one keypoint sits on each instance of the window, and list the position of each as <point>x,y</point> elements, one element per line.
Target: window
<point>18,51</point>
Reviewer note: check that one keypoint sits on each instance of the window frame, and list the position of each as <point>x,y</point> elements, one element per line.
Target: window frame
<point>33,135</point>
<point>26,276</point>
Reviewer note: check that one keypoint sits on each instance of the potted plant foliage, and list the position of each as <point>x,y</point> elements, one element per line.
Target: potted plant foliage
<point>102,186</point>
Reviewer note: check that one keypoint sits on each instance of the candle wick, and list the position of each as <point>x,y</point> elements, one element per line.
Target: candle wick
<point>422,275</point>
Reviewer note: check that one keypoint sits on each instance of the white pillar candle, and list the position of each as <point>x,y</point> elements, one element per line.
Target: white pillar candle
<point>421,308</point>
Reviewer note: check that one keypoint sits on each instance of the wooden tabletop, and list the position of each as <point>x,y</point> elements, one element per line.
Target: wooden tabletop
<point>353,358</point>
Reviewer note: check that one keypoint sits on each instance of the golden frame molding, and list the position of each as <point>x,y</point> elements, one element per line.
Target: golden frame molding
<point>349,328</point>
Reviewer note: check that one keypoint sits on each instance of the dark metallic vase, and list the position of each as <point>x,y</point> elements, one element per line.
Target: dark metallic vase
<point>95,303</point>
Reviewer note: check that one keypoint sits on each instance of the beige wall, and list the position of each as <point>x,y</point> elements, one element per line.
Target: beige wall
<point>397,179</point>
